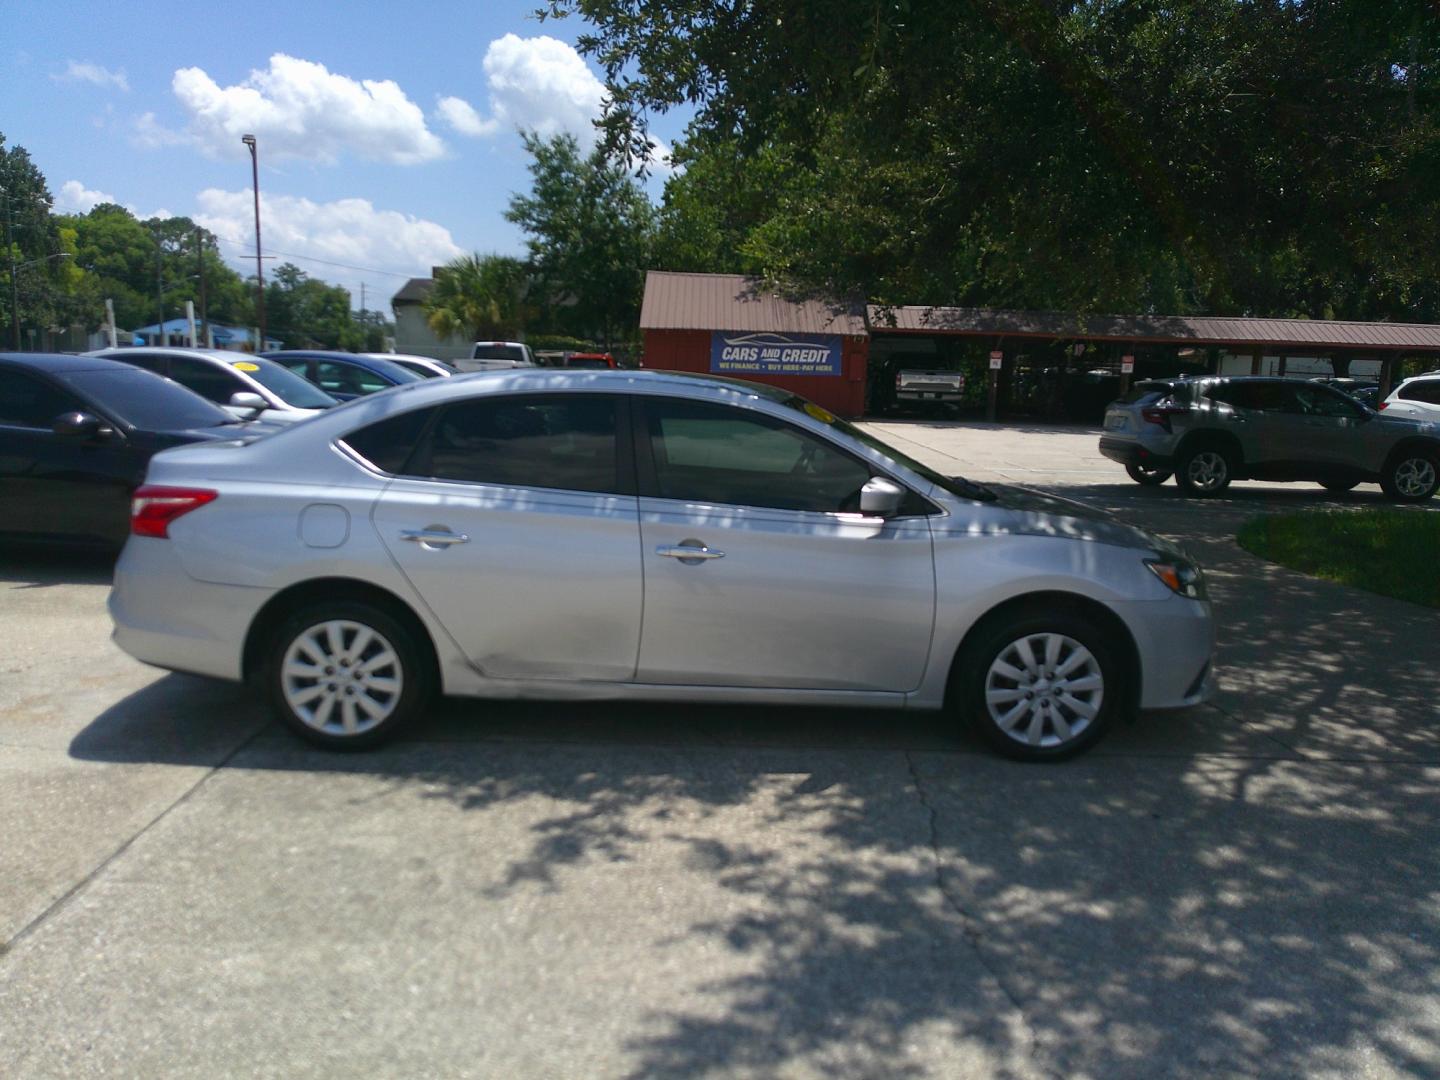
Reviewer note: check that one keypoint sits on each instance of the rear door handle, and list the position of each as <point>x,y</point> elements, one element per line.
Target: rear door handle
<point>433,538</point>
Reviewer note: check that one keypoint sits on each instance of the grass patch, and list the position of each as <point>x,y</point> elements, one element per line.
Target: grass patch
<point>1390,552</point>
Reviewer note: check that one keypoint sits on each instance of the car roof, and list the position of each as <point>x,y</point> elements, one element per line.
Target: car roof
<point>57,362</point>
<point>219,356</point>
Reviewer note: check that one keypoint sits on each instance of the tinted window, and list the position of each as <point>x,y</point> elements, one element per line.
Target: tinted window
<point>600,365</point>
<point>1319,401</point>
<point>717,454</point>
<point>1265,396</point>
<point>498,352</point>
<point>146,401</point>
<point>389,444</point>
<point>29,401</point>
<point>210,381</point>
<point>550,441</point>
<point>290,388</point>
<point>149,361</point>
<point>337,378</point>
<point>1427,390</point>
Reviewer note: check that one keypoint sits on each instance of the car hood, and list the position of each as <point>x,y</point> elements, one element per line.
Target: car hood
<point>1035,513</point>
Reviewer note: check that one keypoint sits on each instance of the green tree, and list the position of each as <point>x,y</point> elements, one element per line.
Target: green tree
<point>590,230</point>
<point>308,313</point>
<point>479,296</point>
<point>1266,157</point>
<point>34,246</point>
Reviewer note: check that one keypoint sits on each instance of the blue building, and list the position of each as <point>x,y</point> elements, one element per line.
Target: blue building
<point>177,332</point>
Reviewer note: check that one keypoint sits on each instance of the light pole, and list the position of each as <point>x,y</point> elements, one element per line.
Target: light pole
<point>249,140</point>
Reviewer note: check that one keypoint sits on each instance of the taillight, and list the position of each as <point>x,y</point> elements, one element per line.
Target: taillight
<point>152,509</point>
<point>1161,414</point>
<point>1382,405</point>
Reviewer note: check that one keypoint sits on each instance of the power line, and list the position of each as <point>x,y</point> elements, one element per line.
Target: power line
<point>314,259</point>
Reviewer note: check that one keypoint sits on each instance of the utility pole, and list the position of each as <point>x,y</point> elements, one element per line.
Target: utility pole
<point>159,292</point>
<point>200,268</point>
<point>14,288</point>
<point>249,140</point>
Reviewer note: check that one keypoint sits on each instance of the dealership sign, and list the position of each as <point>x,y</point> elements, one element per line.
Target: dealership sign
<point>774,354</point>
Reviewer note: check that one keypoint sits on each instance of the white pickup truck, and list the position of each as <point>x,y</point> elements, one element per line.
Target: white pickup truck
<point>919,386</point>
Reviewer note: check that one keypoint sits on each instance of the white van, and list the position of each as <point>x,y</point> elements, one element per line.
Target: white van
<point>497,356</point>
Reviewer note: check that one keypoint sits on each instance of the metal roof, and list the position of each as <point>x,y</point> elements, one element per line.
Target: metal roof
<point>1239,333</point>
<point>413,291</point>
<point>676,301</point>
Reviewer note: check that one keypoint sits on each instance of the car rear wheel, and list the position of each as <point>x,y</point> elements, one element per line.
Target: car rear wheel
<point>1411,476</point>
<point>1042,687</point>
<point>1204,471</point>
<point>346,675</point>
<point>1149,477</point>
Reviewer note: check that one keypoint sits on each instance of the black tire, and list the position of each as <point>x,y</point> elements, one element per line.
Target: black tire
<point>411,667</point>
<point>1411,476</point>
<point>997,640</point>
<point>1205,470</point>
<point>1149,477</point>
<point>1338,487</point>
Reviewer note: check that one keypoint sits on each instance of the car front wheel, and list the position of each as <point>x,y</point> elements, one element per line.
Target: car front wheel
<point>1042,687</point>
<point>346,675</point>
<point>1204,471</point>
<point>1149,477</point>
<point>1411,476</point>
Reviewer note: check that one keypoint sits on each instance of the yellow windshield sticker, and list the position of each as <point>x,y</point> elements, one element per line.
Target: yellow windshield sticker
<point>245,365</point>
<point>816,412</point>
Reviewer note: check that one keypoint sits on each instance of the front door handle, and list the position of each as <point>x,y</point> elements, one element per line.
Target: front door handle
<point>690,552</point>
<point>433,538</point>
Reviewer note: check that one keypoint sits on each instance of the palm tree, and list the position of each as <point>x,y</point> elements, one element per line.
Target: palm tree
<point>478,296</point>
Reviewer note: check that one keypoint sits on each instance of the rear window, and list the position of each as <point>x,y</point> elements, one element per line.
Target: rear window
<point>497,351</point>
<point>1426,390</point>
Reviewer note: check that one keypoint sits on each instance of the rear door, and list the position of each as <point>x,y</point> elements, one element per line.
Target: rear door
<point>759,571</point>
<point>515,519</point>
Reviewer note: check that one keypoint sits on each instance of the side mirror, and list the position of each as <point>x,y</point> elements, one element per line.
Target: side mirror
<point>881,498</point>
<point>78,425</point>
<point>248,399</point>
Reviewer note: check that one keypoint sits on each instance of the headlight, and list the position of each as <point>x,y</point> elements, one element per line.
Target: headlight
<point>1179,576</point>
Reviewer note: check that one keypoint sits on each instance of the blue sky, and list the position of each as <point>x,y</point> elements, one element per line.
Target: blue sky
<point>386,131</point>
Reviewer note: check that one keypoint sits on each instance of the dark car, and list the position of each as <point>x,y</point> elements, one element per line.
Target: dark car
<point>76,434</point>
<point>344,375</point>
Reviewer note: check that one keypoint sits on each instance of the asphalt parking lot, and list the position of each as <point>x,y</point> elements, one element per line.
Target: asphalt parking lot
<point>521,890</point>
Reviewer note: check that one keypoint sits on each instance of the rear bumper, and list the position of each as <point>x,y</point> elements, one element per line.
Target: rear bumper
<point>164,617</point>
<point>1129,452</point>
<point>929,395</point>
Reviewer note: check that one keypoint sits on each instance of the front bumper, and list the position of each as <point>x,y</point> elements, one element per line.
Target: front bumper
<point>1129,452</point>
<point>1176,642</point>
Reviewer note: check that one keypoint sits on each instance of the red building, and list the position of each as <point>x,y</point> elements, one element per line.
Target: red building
<point>723,324</point>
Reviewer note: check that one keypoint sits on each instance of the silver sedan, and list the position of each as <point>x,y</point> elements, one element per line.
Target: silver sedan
<point>643,535</point>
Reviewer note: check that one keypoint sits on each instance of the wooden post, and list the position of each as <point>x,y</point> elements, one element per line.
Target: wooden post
<point>1281,370</point>
<point>1256,356</point>
<point>1127,367</point>
<point>1387,377</point>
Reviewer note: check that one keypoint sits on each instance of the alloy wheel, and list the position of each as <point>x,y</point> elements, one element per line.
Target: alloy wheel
<point>1415,477</point>
<point>1044,690</point>
<point>341,677</point>
<point>1207,470</point>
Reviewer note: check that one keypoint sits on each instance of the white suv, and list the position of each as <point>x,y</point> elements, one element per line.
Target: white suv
<point>497,356</point>
<point>1418,397</point>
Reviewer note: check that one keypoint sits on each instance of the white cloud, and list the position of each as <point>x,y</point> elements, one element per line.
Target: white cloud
<point>349,231</point>
<point>151,134</point>
<point>78,71</point>
<point>540,84</point>
<point>75,198</point>
<point>300,109</point>
<point>462,117</point>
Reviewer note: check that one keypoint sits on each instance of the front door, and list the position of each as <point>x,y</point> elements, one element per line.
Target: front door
<point>759,571</point>
<point>516,522</point>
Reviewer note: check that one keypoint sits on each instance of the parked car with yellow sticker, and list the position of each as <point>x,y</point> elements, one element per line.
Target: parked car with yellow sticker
<point>247,387</point>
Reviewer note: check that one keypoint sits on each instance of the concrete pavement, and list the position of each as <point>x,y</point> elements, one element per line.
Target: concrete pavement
<point>548,890</point>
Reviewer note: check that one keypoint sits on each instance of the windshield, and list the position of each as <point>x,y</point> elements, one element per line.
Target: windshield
<point>956,485</point>
<point>498,352</point>
<point>290,388</point>
<point>398,373</point>
<point>146,401</point>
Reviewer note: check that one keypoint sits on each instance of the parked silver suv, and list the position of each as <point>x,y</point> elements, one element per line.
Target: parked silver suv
<point>1212,430</point>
